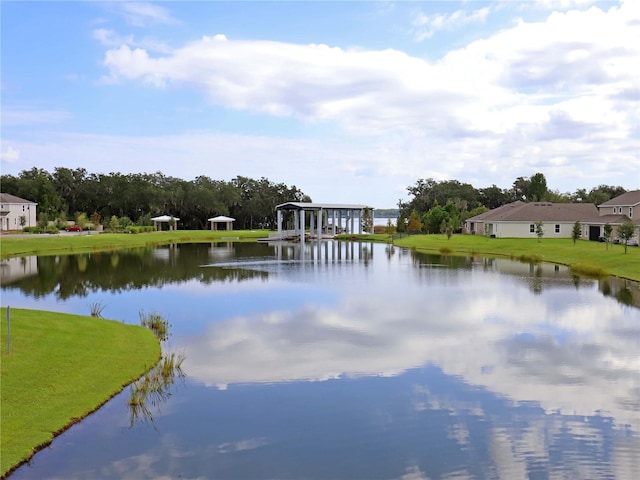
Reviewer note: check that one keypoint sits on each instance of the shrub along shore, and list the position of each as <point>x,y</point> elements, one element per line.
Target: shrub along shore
<point>60,368</point>
<point>56,371</point>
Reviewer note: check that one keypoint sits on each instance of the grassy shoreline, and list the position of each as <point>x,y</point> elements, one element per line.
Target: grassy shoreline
<point>585,257</point>
<point>60,369</point>
<point>42,244</point>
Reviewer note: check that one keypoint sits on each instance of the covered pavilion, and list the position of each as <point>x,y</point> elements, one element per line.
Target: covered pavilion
<point>169,220</point>
<point>221,220</point>
<point>325,219</point>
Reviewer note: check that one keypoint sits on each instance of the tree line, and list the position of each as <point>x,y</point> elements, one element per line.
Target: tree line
<point>139,197</point>
<point>433,207</point>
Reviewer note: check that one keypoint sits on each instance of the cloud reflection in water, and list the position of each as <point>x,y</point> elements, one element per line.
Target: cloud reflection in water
<point>573,360</point>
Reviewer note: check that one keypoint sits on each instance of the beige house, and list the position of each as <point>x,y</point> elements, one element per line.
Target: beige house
<point>14,211</point>
<point>616,211</point>
<point>518,219</point>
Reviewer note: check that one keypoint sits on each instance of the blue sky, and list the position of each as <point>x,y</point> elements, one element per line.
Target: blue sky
<point>349,101</point>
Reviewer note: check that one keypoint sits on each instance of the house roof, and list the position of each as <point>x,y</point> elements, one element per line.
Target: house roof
<point>8,198</point>
<point>611,219</point>
<point>221,218</point>
<point>538,211</point>
<point>627,199</point>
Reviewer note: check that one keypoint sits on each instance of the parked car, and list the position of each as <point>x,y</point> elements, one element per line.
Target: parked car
<point>632,242</point>
<point>74,228</point>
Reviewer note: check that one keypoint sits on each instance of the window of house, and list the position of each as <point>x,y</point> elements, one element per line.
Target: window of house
<point>532,228</point>
<point>557,228</point>
<point>630,212</point>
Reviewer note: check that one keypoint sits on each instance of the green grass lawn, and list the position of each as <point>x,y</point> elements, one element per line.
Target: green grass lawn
<point>43,244</point>
<point>60,368</point>
<point>584,255</point>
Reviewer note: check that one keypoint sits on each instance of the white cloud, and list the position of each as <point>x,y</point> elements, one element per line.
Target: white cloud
<point>427,25</point>
<point>140,14</point>
<point>23,116</point>
<point>561,4</point>
<point>491,87</point>
<point>10,155</point>
<point>111,39</point>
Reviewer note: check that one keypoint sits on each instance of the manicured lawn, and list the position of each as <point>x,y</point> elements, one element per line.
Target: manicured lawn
<point>14,246</point>
<point>60,368</point>
<point>554,250</point>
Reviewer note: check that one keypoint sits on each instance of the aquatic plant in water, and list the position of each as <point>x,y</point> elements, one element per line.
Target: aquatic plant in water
<point>154,388</point>
<point>96,309</point>
<point>156,323</point>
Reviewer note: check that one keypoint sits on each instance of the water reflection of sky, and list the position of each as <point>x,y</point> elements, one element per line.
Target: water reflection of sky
<point>573,358</point>
<point>404,368</point>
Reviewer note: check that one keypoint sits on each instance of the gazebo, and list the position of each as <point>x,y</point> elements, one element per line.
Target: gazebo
<point>158,221</point>
<point>318,213</point>
<point>221,219</point>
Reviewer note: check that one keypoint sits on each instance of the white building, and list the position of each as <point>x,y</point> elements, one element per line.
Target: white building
<point>16,213</point>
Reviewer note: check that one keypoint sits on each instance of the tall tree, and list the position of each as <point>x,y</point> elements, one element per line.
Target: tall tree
<point>415,225</point>
<point>626,231</point>
<point>433,219</point>
<point>367,221</point>
<point>576,232</point>
<point>493,197</point>
<point>607,230</point>
<point>520,189</point>
<point>539,230</point>
<point>537,188</point>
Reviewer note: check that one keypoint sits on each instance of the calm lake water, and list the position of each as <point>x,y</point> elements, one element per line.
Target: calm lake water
<point>353,361</point>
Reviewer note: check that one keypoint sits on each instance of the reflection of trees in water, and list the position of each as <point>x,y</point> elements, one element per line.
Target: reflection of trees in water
<point>625,291</point>
<point>149,392</point>
<point>78,275</point>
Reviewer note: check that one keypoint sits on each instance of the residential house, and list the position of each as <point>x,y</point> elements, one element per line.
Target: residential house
<point>16,213</point>
<point>519,219</point>
<point>616,211</point>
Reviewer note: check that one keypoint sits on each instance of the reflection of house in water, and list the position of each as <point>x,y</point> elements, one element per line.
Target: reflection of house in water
<point>549,271</point>
<point>12,269</point>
